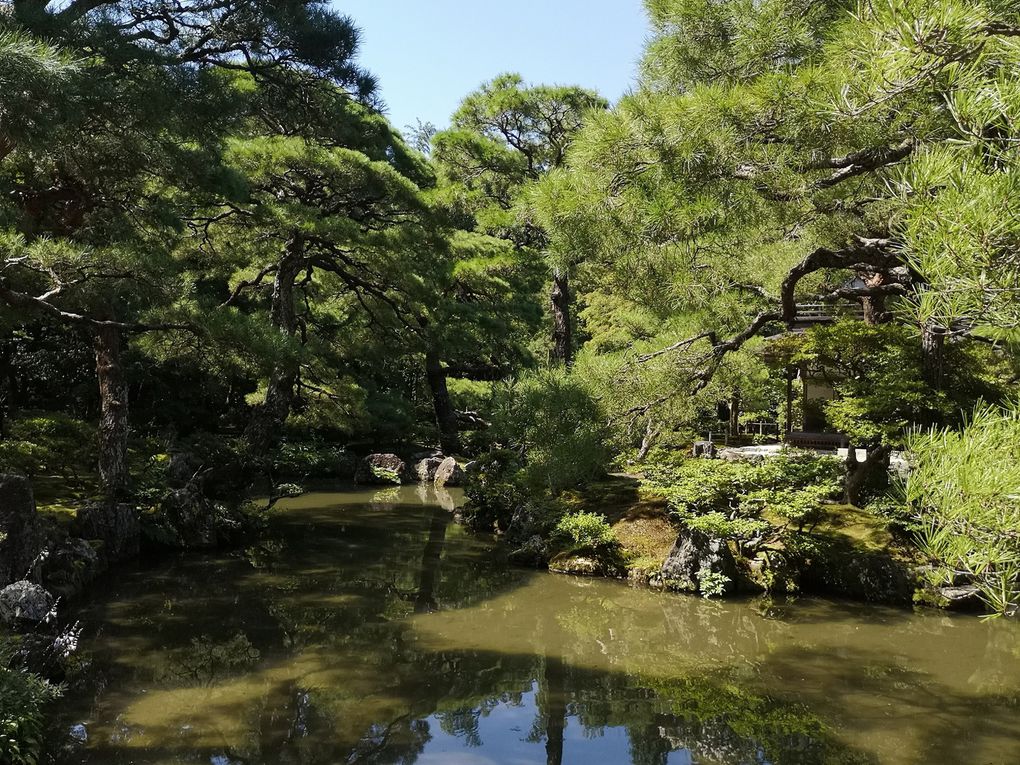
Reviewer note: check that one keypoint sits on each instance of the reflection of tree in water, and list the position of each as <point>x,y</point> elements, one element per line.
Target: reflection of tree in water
<point>463,723</point>
<point>425,599</point>
<point>207,661</point>
<point>341,676</point>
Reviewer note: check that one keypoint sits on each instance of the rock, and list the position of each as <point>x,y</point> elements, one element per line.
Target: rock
<point>533,553</point>
<point>838,567</point>
<point>693,555</point>
<point>380,469</point>
<point>449,473</point>
<point>899,465</point>
<point>186,519</point>
<point>24,602</point>
<point>78,733</point>
<point>71,567</point>
<point>705,449</point>
<point>184,467</point>
<point>588,562</point>
<point>21,533</point>
<point>425,469</point>
<point>117,526</point>
<point>962,596</point>
<point>769,571</point>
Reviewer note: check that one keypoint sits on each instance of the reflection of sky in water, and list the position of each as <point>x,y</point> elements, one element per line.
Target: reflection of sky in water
<point>503,732</point>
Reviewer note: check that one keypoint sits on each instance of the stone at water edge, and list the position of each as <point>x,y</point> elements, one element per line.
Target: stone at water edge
<point>24,602</point>
<point>534,553</point>
<point>449,473</point>
<point>70,567</point>
<point>21,532</point>
<point>380,470</point>
<point>694,554</point>
<point>117,526</point>
<point>425,470</point>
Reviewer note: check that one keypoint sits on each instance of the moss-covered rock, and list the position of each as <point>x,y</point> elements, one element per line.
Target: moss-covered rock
<point>380,470</point>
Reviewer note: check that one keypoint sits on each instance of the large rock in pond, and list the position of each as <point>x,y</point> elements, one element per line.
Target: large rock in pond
<point>449,473</point>
<point>694,555</point>
<point>425,469</point>
<point>380,470</point>
<point>71,566</point>
<point>24,603</point>
<point>534,553</point>
<point>837,566</point>
<point>186,518</point>
<point>21,533</point>
<point>116,526</point>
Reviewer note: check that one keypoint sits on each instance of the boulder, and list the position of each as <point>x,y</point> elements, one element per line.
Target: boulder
<point>533,553</point>
<point>587,562</point>
<point>704,449</point>
<point>836,566</point>
<point>425,469</point>
<point>70,567</point>
<point>449,473</point>
<point>116,526</point>
<point>21,532</point>
<point>695,554</point>
<point>189,518</point>
<point>380,470</point>
<point>24,603</point>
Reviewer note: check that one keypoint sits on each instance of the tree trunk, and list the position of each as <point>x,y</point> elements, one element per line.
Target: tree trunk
<point>870,476</point>
<point>735,414</point>
<point>446,416</point>
<point>874,306</point>
<point>113,418</point>
<point>562,350</point>
<point>933,356</point>
<point>651,433</point>
<point>788,426</point>
<point>269,417</point>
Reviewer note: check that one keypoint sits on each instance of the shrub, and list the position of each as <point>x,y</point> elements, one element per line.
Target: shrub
<point>699,486</point>
<point>743,501</point>
<point>49,444</point>
<point>587,530</point>
<point>712,584</point>
<point>23,700</point>
<point>558,427</point>
<point>495,488</point>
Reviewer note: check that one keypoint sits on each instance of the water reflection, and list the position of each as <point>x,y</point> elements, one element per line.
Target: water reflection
<point>370,629</point>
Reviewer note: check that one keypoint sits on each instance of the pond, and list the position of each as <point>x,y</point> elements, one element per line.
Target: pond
<point>369,628</point>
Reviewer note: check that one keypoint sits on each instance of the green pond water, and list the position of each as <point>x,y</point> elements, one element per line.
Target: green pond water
<point>371,629</point>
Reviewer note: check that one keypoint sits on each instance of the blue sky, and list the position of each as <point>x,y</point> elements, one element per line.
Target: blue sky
<point>429,54</point>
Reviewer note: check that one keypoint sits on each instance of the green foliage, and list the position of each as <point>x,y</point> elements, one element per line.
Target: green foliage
<point>881,386</point>
<point>49,444</point>
<point>744,501</point>
<point>23,701</point>
<point>495,488</point>
<point>587,530</point>
<point>712,584</point>
<point>965,491</point>
<point>551,418</point>
<point>313,458</point>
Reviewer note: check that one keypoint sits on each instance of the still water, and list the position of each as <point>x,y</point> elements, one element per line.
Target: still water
<point>371,629</point>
